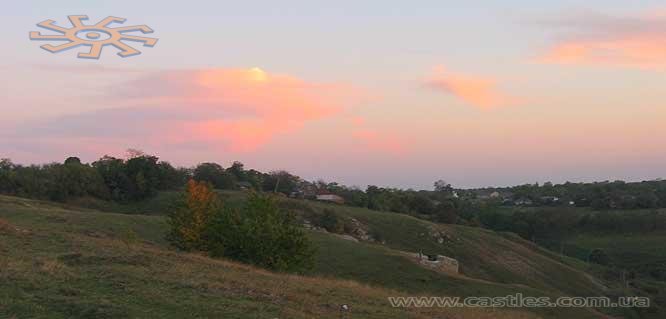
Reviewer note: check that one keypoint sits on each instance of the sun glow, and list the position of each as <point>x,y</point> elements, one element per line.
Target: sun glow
<point>257,74</point>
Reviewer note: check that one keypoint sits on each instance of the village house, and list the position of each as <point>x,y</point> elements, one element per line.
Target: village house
<point>492,194</point>
<point>328,197</point>
<point>244,185</point>
<point>524,202</point>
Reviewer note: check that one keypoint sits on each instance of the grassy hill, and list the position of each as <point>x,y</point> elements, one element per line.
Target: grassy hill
<point>73,262</point>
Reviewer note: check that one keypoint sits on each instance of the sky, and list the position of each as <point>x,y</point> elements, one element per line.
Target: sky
<point>388,93</point>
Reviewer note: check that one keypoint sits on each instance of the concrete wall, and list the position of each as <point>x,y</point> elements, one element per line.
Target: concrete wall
<point>442,263</point>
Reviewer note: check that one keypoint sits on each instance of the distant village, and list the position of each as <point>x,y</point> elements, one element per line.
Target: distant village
<point>508,198</point>
<point>503,197</point>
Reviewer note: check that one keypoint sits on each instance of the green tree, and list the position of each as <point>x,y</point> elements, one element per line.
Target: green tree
<point>144,175</point>
<point>171,177</point>
<point>442,186</point>
<point>237,170</point>
<point>281,182</point>
<point>7,176</point>
<point>446,213</point>
<point>214,174</point>
<point>73,161</point>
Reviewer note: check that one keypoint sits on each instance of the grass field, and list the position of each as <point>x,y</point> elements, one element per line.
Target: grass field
<point>81,263</point>
<point>62,263</point>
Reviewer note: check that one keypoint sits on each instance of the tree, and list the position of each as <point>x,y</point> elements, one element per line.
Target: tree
<point>420,203</point>
<point>237,170</point>
<point>376,198</point>
<point>144,176</point>
<point>7,176</point>
<point>647,199</point>
<point>73,179</point>
<point>353,195</point>
<point>215,174</point>
<point>442,186</point>
<point>115,176</point>
<point>280,182</point>
<point>191,215</point>
<point>171,177</point>
<point>261,234</point>
<point>446,213</point>
<point>73,161</point>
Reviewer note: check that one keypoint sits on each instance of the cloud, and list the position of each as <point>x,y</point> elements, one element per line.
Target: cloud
<point>242,108</point>
<point>637,41</point>
<point>234,110</point>
<point>478,91</point>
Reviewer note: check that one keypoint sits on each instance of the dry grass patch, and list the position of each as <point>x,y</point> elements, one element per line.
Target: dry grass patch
<point>53,267</point>
<point>6,227</point>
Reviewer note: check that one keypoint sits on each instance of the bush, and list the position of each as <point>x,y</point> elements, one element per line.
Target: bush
<point>332,222</point>
<point>258,233</point>
<point>261,234</point>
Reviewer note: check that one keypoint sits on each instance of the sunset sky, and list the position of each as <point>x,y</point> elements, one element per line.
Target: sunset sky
<point>390,93</point>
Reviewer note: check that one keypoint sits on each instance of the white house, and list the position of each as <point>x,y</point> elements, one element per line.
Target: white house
<point>331,198</point>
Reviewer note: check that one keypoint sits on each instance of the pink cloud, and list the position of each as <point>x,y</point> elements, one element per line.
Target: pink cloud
<point>479,91</point>
<point>218,110</point>
<point>239,110</point>
<point>631,41</point>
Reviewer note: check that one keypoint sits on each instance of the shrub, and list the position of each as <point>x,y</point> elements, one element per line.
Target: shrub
<point>332,222</point>
<point>259,233</point>
<point>191,215</point>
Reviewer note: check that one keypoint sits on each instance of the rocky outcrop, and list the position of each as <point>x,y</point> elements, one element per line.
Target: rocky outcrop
<point>354,230</point>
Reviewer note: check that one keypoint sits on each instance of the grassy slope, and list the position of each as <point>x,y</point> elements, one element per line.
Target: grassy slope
<point>630,250</point>
<point>63,263</point>
<point>626,249</point>
<point>641,253</point>
<point>483,254</point>
<point>494,264</point>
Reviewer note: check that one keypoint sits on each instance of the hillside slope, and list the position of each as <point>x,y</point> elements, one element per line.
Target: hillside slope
<point>67,248</point>
<point>61,263</point>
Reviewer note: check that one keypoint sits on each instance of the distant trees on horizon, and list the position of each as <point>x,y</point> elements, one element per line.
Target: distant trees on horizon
<point>140,176</point>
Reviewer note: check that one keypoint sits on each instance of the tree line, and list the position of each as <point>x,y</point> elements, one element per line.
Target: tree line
<point>134,178</point>
<point>140,176</point>
<point>137,177</point>
<point>606,195</point>
<point>552,224</point>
